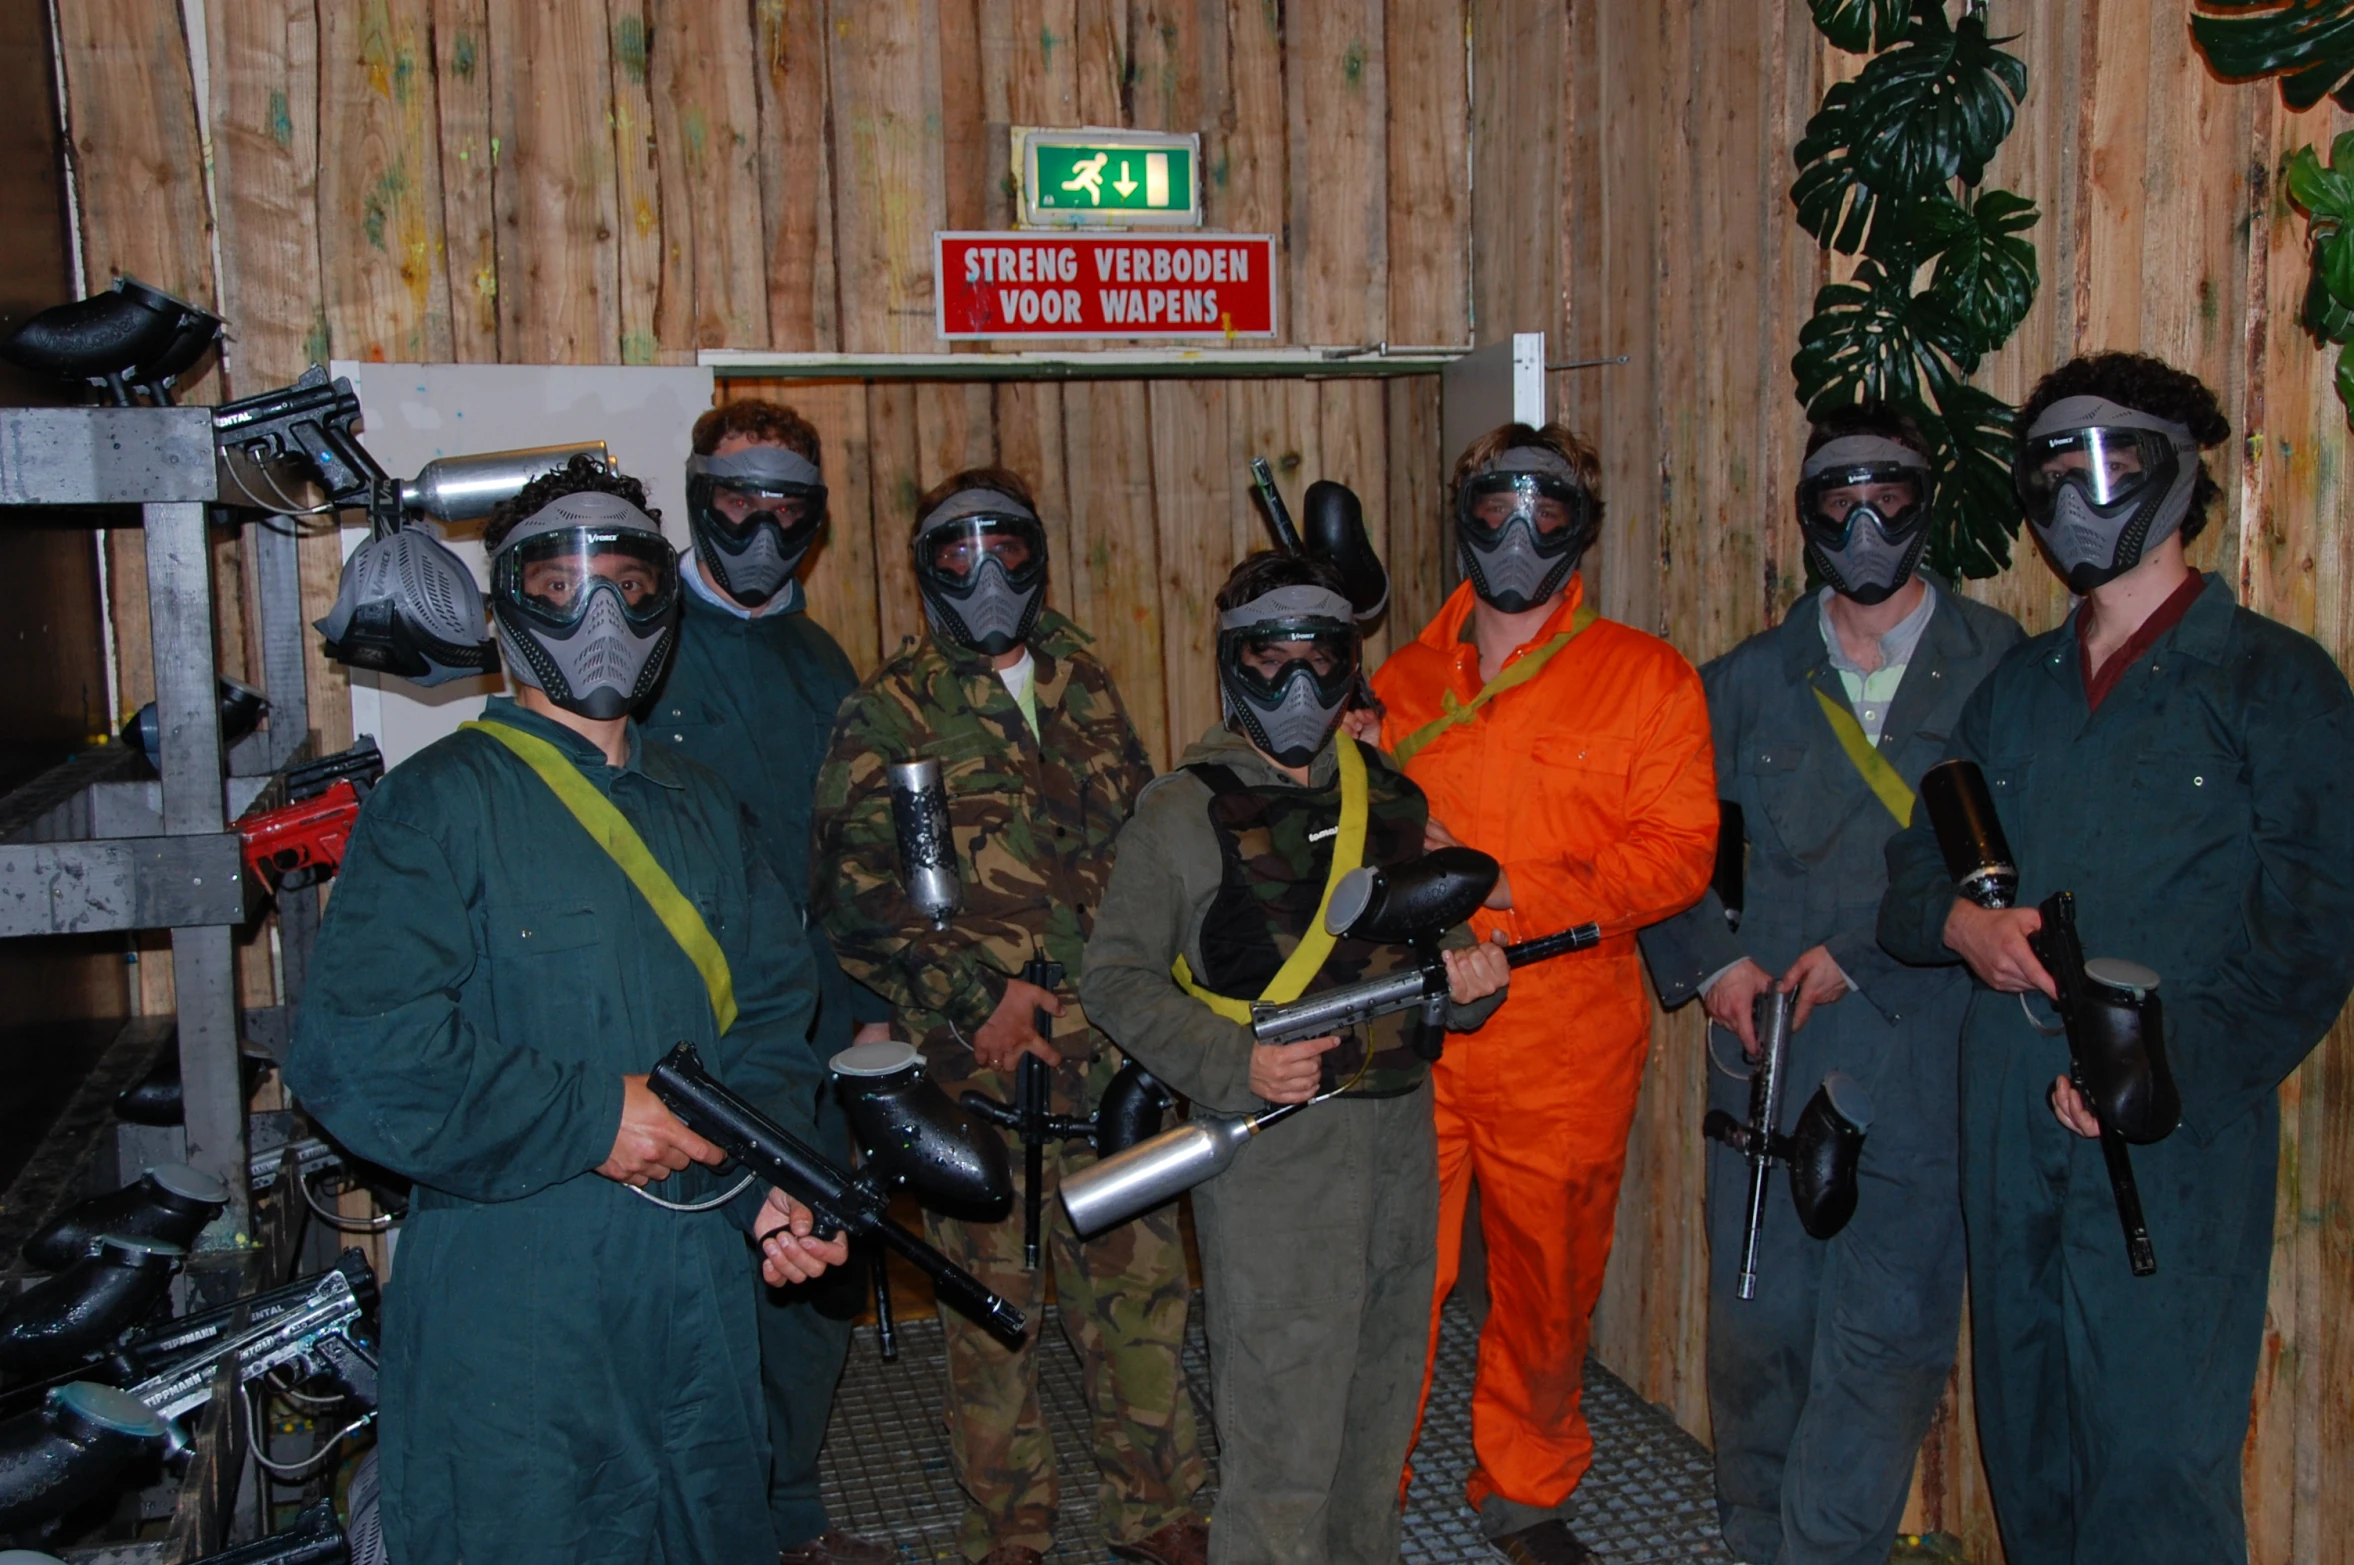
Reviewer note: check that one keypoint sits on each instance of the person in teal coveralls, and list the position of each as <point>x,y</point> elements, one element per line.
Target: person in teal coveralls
<point>751,694</point>
<point>2186,768</point>
<point>569,1371</point>
<point>1821,1387</point>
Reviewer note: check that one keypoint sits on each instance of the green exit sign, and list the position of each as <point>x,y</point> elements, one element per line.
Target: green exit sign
<point>1090,178</point>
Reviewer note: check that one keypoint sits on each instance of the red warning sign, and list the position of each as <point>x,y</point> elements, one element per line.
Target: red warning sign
<point>1047,283</point>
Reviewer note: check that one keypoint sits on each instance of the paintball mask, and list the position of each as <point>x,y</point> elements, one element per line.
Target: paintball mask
<point>1863,505</point>
<point>980,562</point>
<point>1523,521</point>
<point>1287,663</point>
<point>2101,483</point>
<point>754,514</point>
<point>586,595</point>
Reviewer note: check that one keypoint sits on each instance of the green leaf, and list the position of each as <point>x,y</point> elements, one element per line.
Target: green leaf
<point>2325,192</point>
<point>2309,44</point>
<point>1986,274</point>
<point>2346,381</point>
<point>1859,26</point>
<point>1975,513</point>
<point>2324,316</point>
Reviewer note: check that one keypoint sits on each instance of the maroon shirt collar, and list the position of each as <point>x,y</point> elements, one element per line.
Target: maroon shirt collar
<point>2097,684</point>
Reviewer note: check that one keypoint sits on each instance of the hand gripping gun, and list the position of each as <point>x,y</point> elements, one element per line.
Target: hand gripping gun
<point>2108,1007</point>
<point>1821,1151</point>
<point>839,1201</point>
<point>1411,905</point>
<point>1028,1115</point>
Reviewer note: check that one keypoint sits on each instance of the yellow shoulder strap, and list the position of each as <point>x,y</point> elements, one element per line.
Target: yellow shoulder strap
<point>1452,711</point>
<point>1882,778</point>
<point>611,830</point>
<point>1348,851</point>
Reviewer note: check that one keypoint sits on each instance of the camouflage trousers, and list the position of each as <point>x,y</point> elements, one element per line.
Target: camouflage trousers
<point>1123,1298</point>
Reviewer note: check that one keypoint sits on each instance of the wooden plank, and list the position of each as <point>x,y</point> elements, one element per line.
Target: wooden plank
<point>795,159</point>
<point>1520,58</point>
<point>840,578</point>
<point>1278,420</point>
<point>1029,62</point>
<point>469,158</point>
<point>1352,426</point>
<point>895,454</point>
<point>1030,442</point>
<point>1244,148</point>
<point>1194,495</point>
<point>1335,82</point>
<point>1169,44</point>
<point>1099,47</point>
<point>380,237</point>
<point>1111,569</point>
<point>1419,547</point>
<point>265,135</point>
<point>884,65</point>
<point>955,429</point>
<point>706,133</point>
<point>1428,128</point>
<point>653,271</point>
<point>558,213</point>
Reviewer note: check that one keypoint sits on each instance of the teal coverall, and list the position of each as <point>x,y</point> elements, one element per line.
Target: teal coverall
<point>569,1372</point>
<point>754,699</point>
<point>2204,817</point>
<point>1821,1387</point>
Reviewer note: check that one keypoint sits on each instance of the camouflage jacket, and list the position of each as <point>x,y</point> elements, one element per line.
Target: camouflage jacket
<point>1032,820</point>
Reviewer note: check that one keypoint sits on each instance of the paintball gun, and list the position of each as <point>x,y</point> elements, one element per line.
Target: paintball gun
<point>1412,905</point>
<point>62,1320</point>
<point>170,1201</point>
<point>130,339</point>
<point>1821,1151</point>
<point>838,1200</point>
<point>1028,1115</point>
<point>2108,1008</point>
<point>302,841</point>
<point>1732,860</point>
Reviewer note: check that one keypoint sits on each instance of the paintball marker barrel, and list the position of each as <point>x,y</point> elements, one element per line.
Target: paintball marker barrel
<point>837,1201</point>
<point>1771,1016</point>
<point>1287,536</point>
<point>1353,1005</point>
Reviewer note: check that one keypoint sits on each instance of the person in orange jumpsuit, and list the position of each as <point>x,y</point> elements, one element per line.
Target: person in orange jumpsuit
<point>1576,751</point>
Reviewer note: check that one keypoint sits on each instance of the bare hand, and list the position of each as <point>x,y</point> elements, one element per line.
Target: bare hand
<point>787,1253</point>
<point>1012,1029</point>
<point>1731,1002</point>
<point>651,1143</point>
<point>1815,980</point>
<point>1476,972</point>
<point>2070,1109</point>
<point>1362,724</point>
<point>1994,943</point>
<point>1436,836</point>
<point>872,1032</point>
<point>1289,1072</point>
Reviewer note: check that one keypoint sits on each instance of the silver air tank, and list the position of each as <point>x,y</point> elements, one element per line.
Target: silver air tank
<point>459,489</point>
<point>927,856</point>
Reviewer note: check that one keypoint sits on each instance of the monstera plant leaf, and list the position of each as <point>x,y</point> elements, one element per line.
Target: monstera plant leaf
<point>1874,340</point>
<point>2308,44</point>
<point>1986,272</point>
<point>1925,112</point>
<point>1975,513</point>
<point>2326,192</point>
<point>1859,26</point>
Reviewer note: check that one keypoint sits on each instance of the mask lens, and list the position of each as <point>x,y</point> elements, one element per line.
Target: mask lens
<point>2108,465</point>
<point>555,573</point>
<point>1890,492</point>
<point>1493,501</point>
<point>739,508</point>
<point>1266,657</point>
<point>958,549</point>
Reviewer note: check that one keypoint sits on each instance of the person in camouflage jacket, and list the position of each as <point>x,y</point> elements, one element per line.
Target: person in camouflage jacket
<point>1041,766</point>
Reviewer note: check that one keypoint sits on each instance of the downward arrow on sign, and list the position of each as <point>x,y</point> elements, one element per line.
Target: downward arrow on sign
<point>1124,185</point>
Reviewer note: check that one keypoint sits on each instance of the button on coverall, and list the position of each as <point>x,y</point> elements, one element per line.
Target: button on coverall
<point>1594,783</point>
<point>571,1374</point>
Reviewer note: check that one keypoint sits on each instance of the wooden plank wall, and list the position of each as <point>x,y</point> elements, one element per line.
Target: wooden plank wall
<point>496,181</point>
<point>1632,167</point>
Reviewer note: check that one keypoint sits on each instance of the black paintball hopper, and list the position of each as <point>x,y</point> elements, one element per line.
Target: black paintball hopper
<point>71,1449</point>
<point>1412,903</point>
<point>155,1098</point>
<point>63,1320</point>
<point>911,1133</point>
<point>171,1202</point>
<point>1825,1147</point>
<point>242,707</point>
<point>1335,533</point>
<point>2121,1052</point>
<point>130,339</point>
<point>1130,1111</point>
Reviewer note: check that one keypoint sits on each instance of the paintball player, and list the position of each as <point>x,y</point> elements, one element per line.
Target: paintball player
<point>751,694</point>
<point>1822,1385</point>
<point>2181,765</point>
<point>532,911</point>
<point>1315,1242</point>
<point>1576,751</point>
<point>1040,765</point>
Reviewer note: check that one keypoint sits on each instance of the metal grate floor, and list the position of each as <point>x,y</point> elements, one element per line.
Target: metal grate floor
<point>885,1472</point>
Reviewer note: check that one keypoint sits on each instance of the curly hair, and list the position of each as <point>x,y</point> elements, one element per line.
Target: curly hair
<point>766,423</point>
<point>578,476</point>
<point>2147,385</point>
<point>1264,570</point>
<point>1559,439</point>
<point>1867,418</point>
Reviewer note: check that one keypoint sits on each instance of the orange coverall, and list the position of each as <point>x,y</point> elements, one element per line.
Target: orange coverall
<point>1595,784</point>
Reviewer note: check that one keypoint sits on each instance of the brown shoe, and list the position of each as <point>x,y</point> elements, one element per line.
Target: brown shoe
<point>1180,1543</point>
<point>840,1548</point>
<point>1549,1542</point>
<point>1013,1554</point>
